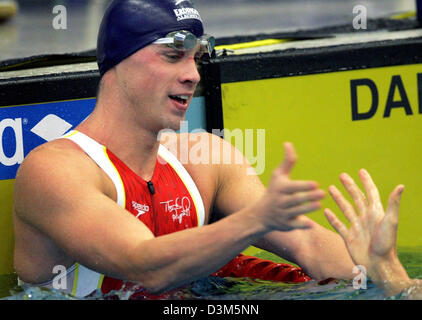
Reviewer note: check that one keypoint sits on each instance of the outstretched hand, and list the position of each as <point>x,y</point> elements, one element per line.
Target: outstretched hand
<point>371,238</point>
<point>372,235</point>
<point>287,200</point>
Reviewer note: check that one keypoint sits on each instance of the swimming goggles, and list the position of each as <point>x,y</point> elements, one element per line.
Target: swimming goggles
<point>185,40</point>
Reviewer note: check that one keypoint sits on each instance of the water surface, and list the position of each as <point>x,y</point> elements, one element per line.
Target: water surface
<point>214,288</point>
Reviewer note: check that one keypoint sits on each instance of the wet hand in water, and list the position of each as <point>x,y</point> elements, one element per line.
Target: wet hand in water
<point>371,238</point>
<point>286,200</point>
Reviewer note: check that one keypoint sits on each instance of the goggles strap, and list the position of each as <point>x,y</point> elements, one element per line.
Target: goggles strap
<point>164,41</point>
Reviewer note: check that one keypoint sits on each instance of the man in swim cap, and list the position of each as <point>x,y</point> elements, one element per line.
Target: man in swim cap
<point>108,202</point>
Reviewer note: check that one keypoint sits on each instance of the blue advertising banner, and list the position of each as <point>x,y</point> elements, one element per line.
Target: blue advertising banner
<point>23,128</point>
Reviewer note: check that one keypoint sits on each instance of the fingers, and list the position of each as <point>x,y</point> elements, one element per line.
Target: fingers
<point>301,197</point>
<point>354,191</point>
<point>280,180</point>
<point>293,186</point>
<point>336,223</point>
<point>361,203</point>
<point>301,209</point>
<point>343,204</point>
<point>393,206</point>
<point>370,187</point>
<point>289,159</point>
<point>299,223</point>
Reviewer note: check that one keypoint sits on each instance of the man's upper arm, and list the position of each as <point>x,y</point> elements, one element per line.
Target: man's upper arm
<point>238,188</point>
<point>61,193</point>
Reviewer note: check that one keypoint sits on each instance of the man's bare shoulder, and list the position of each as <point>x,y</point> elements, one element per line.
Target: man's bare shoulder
<point>58,146</point>
<point>56,167</point>
<point>55,155</point>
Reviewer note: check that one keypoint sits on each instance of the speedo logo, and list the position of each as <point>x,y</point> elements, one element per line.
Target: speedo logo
<point>141,208</point>
<point>49,128</point>
<point>187,13</point>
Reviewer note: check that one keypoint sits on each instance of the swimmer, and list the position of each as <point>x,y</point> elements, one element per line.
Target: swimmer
<point>371,238</point>
<point>111,204</point>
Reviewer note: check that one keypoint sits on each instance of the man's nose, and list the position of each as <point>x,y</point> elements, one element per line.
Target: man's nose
<point>190,72</point>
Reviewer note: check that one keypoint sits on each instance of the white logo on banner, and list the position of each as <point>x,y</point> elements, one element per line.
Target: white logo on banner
<point>17,157</point>
<point>51,127</point>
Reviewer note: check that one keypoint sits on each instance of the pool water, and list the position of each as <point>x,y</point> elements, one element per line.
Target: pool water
<point>214,288</point>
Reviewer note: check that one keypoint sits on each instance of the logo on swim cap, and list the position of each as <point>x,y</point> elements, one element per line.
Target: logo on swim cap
<point>187,13</point>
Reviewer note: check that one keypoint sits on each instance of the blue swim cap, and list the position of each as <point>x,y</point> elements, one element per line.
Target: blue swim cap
<point>130,25</point>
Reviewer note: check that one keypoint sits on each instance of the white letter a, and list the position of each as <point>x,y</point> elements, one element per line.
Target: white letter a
<point>60,21</point>
<point>359,22</point>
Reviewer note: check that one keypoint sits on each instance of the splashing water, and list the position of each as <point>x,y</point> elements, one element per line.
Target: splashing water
<point>215,288</point>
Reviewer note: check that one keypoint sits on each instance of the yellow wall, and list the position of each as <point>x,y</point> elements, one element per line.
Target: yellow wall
<point>314,112</point>
<point>6,226</point>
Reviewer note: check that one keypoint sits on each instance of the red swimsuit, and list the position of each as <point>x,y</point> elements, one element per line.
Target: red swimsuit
<point>163,204</point>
